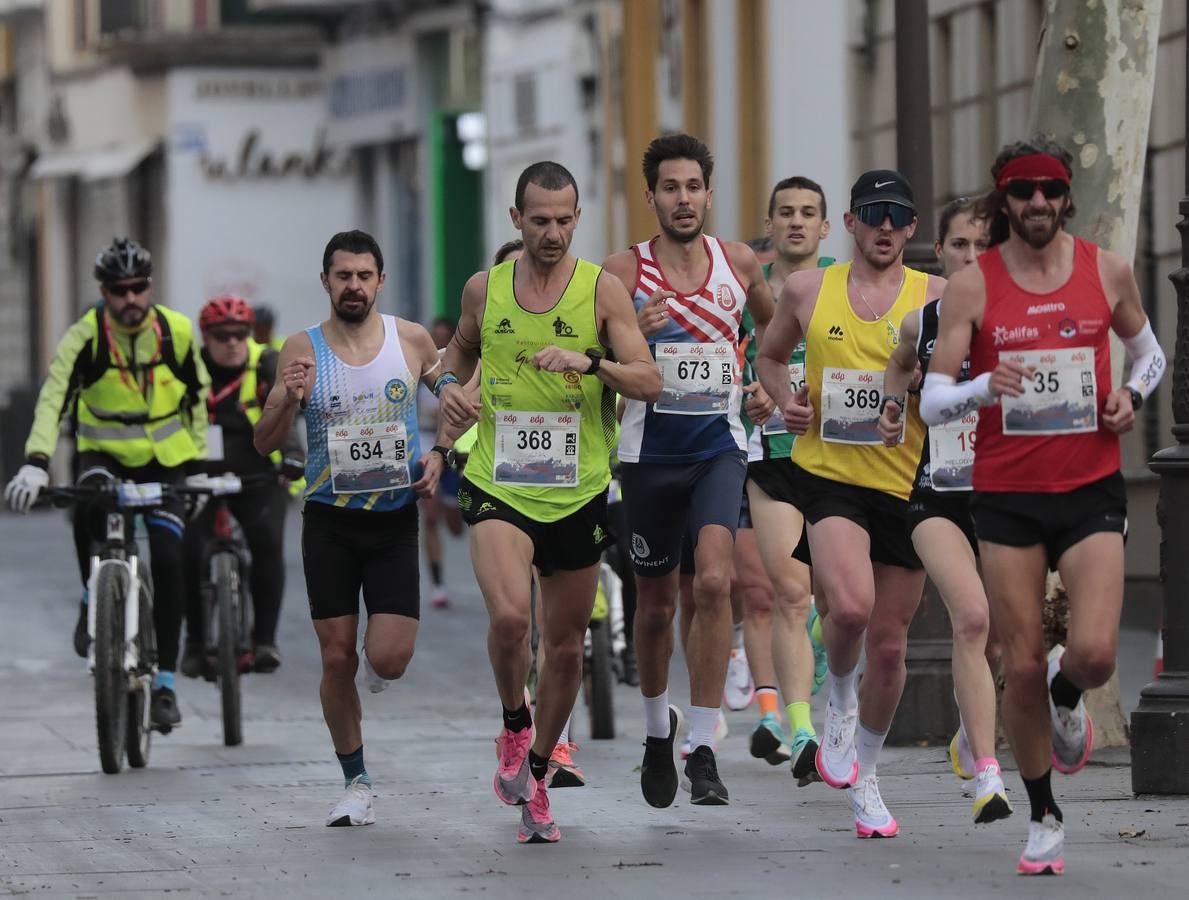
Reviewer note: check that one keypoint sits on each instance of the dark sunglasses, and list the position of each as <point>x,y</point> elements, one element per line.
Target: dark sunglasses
<point>226,337</point>
<point>123,290</point>
<point>873,214</point>
<point>1024,188</point>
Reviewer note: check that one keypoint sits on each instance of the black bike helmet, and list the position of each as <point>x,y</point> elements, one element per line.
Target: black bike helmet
<point>123,259</point>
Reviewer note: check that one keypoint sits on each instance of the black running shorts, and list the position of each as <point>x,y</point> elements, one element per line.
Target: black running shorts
<point>953,506</point>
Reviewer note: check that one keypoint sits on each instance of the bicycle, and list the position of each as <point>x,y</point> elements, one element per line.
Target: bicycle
<point>602,653</point>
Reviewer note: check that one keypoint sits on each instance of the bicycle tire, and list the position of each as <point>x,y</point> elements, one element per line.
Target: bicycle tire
<point>227,596</point>
<point>599,698</point>
<point>111,681</point>
<point>139,739</point>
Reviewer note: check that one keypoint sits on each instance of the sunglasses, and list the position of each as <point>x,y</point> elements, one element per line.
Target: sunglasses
<point>123,290</point>
<point>1024,188</point>
<point>874,214</point>
<point>226,337</point>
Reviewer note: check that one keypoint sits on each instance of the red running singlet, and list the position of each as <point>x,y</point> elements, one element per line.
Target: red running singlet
<point>1052,440</point>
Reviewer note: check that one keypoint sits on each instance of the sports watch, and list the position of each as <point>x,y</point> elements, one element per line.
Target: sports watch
<point>596,358</point>
<point>1137,399</point>
<point>447,453</point>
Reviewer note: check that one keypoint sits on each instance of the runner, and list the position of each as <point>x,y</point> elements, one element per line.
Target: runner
<point>535,487</point>
<point>941,524</point>
<point>1034,318</point>
<point>797,223</point>
<point>853,490</point>
<point>684,456</point>
<point>356,375</point>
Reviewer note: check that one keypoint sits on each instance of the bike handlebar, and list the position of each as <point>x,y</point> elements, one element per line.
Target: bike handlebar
<point>148,494</point>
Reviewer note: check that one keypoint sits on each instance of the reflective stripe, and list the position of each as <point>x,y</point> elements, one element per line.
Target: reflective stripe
<point>166,431</point>
<point>103,432</point>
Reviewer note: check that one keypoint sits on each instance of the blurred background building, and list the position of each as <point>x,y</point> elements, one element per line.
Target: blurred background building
<point>234,136</point>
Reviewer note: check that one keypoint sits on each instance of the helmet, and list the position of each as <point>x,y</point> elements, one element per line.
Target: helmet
<point>226,309</point>
<point>123,259</point>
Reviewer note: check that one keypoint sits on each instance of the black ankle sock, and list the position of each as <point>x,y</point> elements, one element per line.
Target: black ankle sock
<point>435,573</point>
<point>1064,692</point>
<point>517,719</point>
<point>537,765</point>
<point>1040,796</point>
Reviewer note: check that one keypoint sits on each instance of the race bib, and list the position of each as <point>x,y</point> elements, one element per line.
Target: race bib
<point>850,406</point>
<point>536,448</point>
<point>214,443</point>
<point>775,425</point>
<point>699,378</point>
<point>368,458</point>
<point>1060,398</point>
<point>951,454</point>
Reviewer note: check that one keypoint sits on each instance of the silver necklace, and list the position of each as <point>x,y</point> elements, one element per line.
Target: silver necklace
<point>874,316</point>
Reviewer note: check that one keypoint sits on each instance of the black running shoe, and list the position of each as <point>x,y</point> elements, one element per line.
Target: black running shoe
<point>194,663</point>
<point>705,787</point>
<point>658,774</point>
<point>805,759</point>
<point>267,658</point>
<point>82,640</point>
<point>164,710</point>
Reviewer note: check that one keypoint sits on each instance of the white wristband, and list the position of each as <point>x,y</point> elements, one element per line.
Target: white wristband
<point>942,400</point>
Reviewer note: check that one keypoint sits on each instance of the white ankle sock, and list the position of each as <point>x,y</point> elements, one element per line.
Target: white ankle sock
<point>842,691</point>
<point>564,737</point>
<point>868,743</point>
<point>702,722</point>
<point>656,715</point>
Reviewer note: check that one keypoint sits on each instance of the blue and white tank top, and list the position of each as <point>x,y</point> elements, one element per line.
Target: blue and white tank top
<point>361,424</point>
<point>697,415</point>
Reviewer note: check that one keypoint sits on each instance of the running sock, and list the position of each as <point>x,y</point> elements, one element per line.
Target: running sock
<point>981,763</point>
<point>518,719</point>
<point>656,716</point>
<point>816,631</point>
<point>537,765</point>
<point>702,722</point>
<point>737,636</point>
<point>352,764</point>
<point>766,696</point>
<point>435,573</point>
<point>1064,692</point>
<point>163,680</point>
<point>799,717</point>
<point>842,690</point>
<point>564,737</point>
<point>868,744</point>
<point>1040,796</point>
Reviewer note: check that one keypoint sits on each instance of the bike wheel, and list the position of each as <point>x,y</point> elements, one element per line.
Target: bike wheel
<point>111,681</point>
<point>601,678</point>
<point>139,738</point>
<point>225,570</point>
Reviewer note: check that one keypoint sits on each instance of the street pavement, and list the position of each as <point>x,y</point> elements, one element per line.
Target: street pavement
<point>204,820</point>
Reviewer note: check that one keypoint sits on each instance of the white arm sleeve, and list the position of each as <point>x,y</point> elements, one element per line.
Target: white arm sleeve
<point>942,400</point>
<point>1147,360</point>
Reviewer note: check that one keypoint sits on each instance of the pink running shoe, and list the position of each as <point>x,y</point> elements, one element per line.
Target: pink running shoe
<point>536,821</point>
<point>513,783</point>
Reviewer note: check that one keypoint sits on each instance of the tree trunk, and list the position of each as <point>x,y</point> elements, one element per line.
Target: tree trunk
<point>1095,77</point>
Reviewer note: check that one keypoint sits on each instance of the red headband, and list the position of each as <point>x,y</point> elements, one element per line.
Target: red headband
<point>1033,167</point>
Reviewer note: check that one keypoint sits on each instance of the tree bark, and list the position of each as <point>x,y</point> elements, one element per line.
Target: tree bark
<point>1095,77</point>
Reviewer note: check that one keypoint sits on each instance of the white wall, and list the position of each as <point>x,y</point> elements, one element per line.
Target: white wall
<point>724,126</point>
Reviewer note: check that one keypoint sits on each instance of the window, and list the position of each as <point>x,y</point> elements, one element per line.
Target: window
<point>116,16</point>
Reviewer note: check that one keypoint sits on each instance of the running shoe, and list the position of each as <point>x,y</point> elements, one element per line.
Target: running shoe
<point>961,756</point>
<point>375,683</point>
<point>767,741</point>
<point>804,755</point>
<point>820,670</point>
<point>536,821</point>
<point>1073,732</point>
<point>82,639</point>
<point>563,771</point>
<point>739,689</point>
<point>439,599</point>
<point>702,781</point>
<point>513,782</point>
<point>720,732</point>
<point>990,797</point>
<point>872,819</point>
<point>355,808</point>
<point>267,658</point>
<point>1045,852</point>
<point>194,662</point>
<point>658,773</point>
<point>836,760</point>
<point>163,710</point>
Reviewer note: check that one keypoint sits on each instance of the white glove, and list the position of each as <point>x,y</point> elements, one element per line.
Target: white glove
<point>22,491</point>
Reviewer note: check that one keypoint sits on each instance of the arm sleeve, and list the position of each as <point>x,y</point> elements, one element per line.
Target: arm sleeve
<point>1147,360</point>
<point>943,401</point>
<point>58,388</point>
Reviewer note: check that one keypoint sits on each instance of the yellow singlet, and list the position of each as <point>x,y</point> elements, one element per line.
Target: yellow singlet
<point>845,358</point>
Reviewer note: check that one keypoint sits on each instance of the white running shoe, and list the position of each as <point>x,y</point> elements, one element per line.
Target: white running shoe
<point>961,756</point>
<point>1073,732</point>
<point>837,761</point>
<point>990,797</point>
<point>739,689</point>
<point>1045,852</point>
<point>375,683</point>
<point>355,808</point>
<point>872,819</point>
<point>720,733</point>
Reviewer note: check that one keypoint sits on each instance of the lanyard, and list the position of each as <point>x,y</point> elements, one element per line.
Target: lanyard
<point>122,364</point>
<point>215,399</point>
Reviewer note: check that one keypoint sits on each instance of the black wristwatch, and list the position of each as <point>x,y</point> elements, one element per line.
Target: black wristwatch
<point>596,358</point>
<point>1137,399</point>
<point>447,453</point>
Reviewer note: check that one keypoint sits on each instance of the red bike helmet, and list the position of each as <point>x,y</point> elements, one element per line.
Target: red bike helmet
<point>226,309</point>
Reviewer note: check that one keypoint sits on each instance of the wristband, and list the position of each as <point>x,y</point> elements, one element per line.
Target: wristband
<point>899,401</point>
<point>444,379</point>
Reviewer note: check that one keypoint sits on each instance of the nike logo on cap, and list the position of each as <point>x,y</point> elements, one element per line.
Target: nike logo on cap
<point>880,184</point>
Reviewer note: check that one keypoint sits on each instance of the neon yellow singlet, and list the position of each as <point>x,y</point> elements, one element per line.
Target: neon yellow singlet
<point>850,355</point>
<point>544,438</point>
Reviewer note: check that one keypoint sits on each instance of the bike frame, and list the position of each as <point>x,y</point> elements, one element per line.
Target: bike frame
<point>118,551</point>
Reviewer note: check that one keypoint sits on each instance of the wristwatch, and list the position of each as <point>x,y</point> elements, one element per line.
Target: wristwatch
<point>595,358</point>
<point>1137,399</point>
<point>447,453</point>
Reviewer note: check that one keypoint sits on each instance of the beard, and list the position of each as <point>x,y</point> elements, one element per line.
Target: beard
<point>131,315</point>
<point>683,237</point>
<point>1038,234</point>
<point>353,315</point>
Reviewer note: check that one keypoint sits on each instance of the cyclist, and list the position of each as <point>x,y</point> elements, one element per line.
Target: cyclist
<point>242,373</point>
<point>131,373</point>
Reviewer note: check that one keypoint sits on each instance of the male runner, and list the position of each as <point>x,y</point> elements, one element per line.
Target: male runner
<point>797,224</point>
<point>854,491</point>
<point>684,456</point>
<point>1034,318</point>
<point>356,374</point>
<point>941,525</point>
<point>557,339</point>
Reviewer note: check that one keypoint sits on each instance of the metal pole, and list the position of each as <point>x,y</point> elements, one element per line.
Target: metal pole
<point>1160,724</point>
